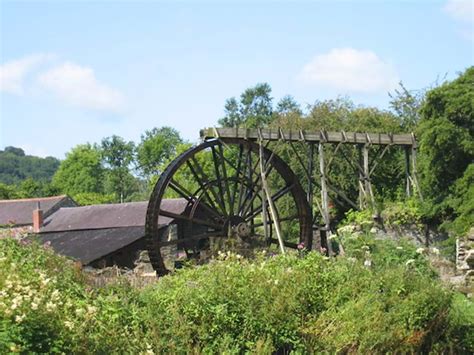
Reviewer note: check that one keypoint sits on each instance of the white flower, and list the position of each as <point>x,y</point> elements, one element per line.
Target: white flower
<point>34,306</point>
<point>399,248</point>
<point>69,325</point>
<point>91,309</point>
<point>346,229</point>
<point>373,230</point>
<point>55,295</point>
<point>368,263</point>
<point>409,262</point>
<point>50,306</point>
<point>420,250</point>
<point>79,311</point>
<point>435,251</point>
<point>19,319</point>
<point>351,259</point>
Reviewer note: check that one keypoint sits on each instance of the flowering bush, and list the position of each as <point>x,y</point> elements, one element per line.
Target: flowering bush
<point>302,302</point>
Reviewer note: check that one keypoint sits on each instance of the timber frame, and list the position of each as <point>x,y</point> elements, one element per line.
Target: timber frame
<point>317,142</point>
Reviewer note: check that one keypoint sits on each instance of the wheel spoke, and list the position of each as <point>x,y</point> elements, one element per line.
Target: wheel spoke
<point>237,171</point>
<point>275,198</point>
<point>226,181</point>
<point>187,195</point>
<point>203,183</point>
<point>218,177</point>
<point>289,218</point>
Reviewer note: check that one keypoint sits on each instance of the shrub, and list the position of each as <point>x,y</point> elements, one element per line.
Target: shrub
<point>302,302</point>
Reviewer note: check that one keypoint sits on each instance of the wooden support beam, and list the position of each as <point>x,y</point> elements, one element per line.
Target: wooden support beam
<point>367,183</point>
<point>416,186</point>
<point>408,183</point>
<point>277,134</point>
<point>271,203</point>
<point>324,196</point>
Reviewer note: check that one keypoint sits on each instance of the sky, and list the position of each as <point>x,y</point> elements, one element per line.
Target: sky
<point>76,72</point>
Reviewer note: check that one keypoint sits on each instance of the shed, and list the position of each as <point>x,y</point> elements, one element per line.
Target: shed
<point>103,235</point>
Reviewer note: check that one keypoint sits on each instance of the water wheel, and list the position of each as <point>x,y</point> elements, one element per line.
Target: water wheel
<point>218,185</point>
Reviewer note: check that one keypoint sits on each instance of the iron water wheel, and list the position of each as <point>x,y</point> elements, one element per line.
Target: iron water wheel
<point>220,182</point>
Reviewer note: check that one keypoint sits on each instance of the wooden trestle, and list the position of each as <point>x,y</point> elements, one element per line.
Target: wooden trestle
<point>362,141</point>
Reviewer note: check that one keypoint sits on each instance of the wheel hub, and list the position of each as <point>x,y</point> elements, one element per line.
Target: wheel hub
<point>237,226</point>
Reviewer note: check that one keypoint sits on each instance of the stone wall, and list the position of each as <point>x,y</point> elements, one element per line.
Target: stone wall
<point>465,256</point>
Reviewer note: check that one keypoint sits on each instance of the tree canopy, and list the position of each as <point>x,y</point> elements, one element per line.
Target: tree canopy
<point>81,171</point>
<point>157,146</point>
<point>16,166</point>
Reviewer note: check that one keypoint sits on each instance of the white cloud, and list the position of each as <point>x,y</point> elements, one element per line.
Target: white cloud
<point>350,70</point>
<point>14,73</point>
<point>461,10</point>
<point>78,86</point>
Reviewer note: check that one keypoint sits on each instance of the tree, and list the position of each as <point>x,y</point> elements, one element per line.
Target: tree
<point>446,135</point>
<point>16,151</point>
<point>117,155</point>
<point>288,105</point>
<point>406,105</point>
<point>81,171</point>
<point>157,146</point>
<point>254,109</point>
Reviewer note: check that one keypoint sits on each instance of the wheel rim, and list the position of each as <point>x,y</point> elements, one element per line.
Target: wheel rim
<point>219,183</point>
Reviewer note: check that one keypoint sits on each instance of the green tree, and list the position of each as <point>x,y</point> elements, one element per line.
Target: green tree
<point>117,155</point>
<point>253,110</point>
<point>81,171</point>
<point>406,105</point>
<point>446,135</point>
<point>157,146</point>
<point>8,192</point>
<point>288,105</point>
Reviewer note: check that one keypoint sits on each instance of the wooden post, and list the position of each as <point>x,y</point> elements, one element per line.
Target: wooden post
<point>309,193</point>
<point>416,187</point>
<point>407,172</point>
<point>367,184</point>
<point>324,199</point>
<point>271,204</point>
<point>362,192</point>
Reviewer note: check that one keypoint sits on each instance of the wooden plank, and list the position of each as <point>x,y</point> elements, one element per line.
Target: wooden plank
<point>275,134</point>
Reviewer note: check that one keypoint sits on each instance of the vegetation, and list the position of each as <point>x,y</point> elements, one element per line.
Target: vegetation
<point>15,166</point>
<point>302,302</point>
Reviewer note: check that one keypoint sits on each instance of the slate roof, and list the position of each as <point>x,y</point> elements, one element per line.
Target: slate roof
<point>90,245</point>
<point>20,212</point>
<point>130,214</point>
<point>91,232</point>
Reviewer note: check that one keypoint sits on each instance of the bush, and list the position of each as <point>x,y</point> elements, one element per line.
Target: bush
<point>301,302</point>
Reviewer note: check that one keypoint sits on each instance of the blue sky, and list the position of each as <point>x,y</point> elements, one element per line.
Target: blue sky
<point>75,72</point>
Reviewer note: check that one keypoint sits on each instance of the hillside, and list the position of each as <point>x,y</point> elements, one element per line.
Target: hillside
<point>16,166</point>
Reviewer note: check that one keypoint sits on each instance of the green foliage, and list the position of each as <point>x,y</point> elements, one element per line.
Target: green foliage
<point>253,110</point>
<point>81,171</point>
<point>301,303</point>
<point>93,198</point>
<point>117,154</point>
<point>8,192</point>
<point>15,166</point>
<point>446,135</point>
<point>157,146</point>
<point>403,213</point>
<point>406,104</point>
<point>461,201</point>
